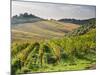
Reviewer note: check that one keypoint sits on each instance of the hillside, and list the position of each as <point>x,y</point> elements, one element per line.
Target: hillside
<point>64,54</point>
<point>44,29</point>
<point>40,45</point>
<point>83,28</point>
<point>50,45</point>
<point>75,21</point>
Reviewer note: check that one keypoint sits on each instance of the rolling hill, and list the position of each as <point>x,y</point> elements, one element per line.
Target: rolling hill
<point>40,45</point>
<point>64,54</point>
<point>44,29</point>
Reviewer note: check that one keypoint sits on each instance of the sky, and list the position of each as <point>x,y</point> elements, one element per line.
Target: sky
<point>54,10</point>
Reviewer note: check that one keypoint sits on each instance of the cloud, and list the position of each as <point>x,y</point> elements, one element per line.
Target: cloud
<point>53,10</point>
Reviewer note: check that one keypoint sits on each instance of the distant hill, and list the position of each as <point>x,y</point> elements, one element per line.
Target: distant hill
<point>75,21</point>
<point>24,18</point>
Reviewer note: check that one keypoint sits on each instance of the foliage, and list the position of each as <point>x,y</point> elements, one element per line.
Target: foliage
<point>68,53</point>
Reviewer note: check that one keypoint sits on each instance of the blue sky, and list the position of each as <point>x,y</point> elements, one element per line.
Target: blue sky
<point>53,10</point>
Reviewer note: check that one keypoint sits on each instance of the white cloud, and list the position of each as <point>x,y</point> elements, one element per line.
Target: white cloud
<point>55,11</point>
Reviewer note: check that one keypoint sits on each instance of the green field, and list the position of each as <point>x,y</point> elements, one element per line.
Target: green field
<point>48,46</point>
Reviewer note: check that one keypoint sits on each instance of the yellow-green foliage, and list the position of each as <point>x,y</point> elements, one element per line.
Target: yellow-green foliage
<point>56,50</point>
<point>70,48</point>
<point>17,47</point>
<point>24,53</point>
<point>79,43</point>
